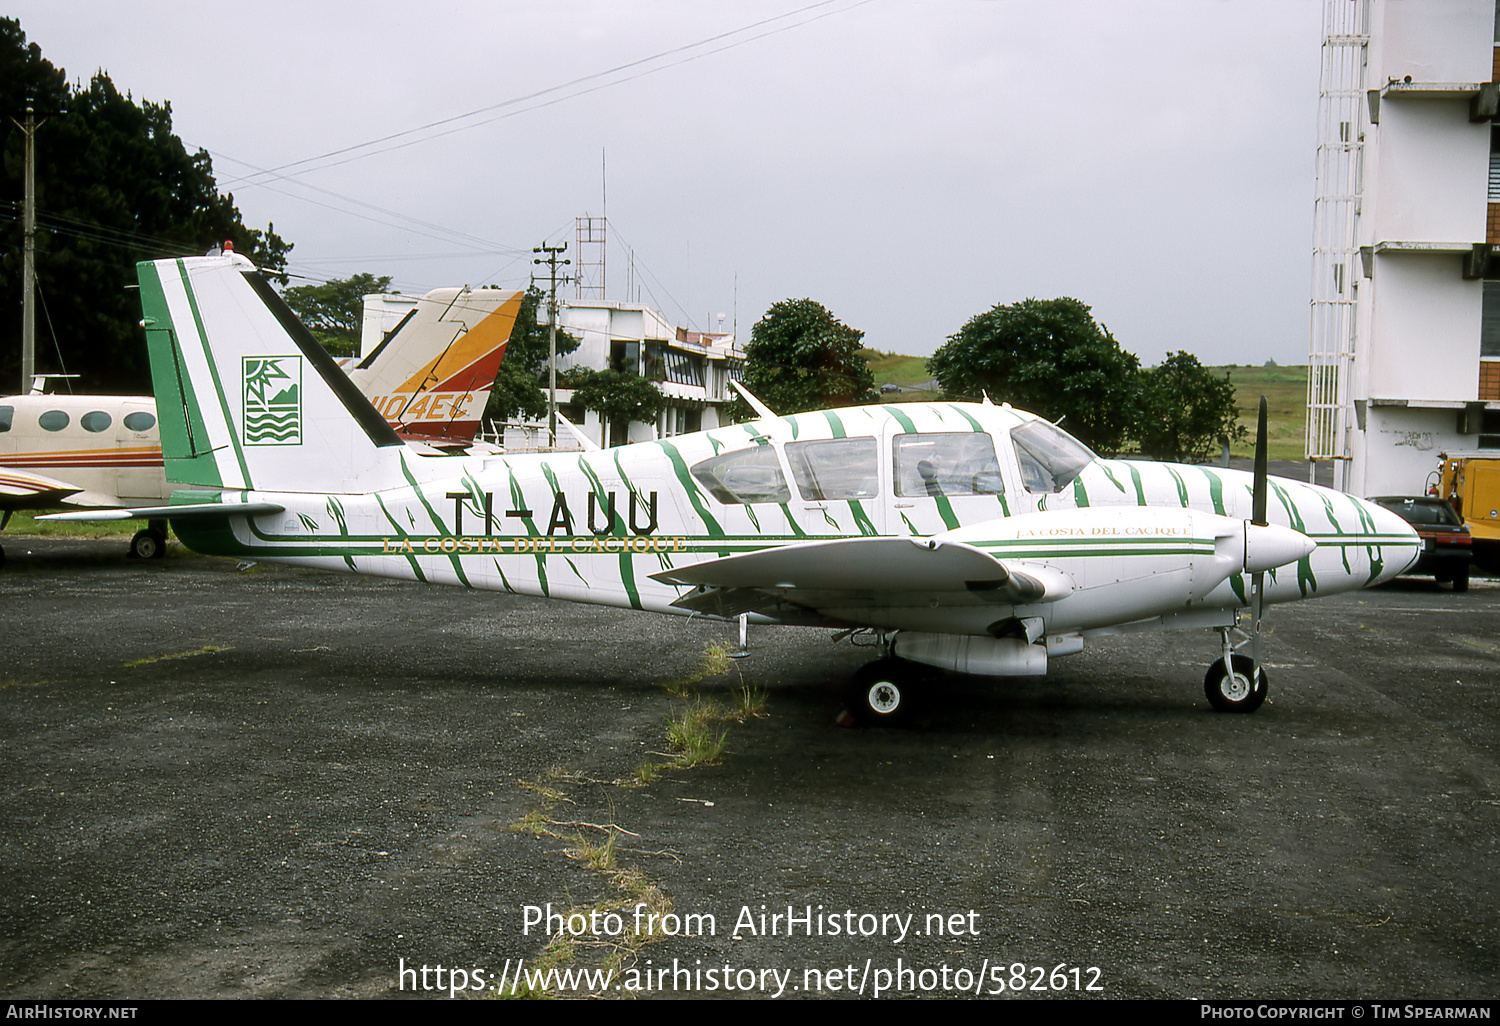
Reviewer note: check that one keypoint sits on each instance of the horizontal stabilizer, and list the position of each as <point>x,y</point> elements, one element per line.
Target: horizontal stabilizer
<point>178,512</point>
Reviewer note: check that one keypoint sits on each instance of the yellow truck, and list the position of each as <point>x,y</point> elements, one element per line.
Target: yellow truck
<point>1470,481</point>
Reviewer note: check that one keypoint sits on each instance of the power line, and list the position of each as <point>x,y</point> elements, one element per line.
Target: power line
<point>455,119</point>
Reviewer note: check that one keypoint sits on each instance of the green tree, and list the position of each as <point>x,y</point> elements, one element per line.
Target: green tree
<point>114,186</point>
<point>334,311</point>
<point>1187,413</point>
<point>1050,357</point>
<point>800,357</point>
<point>619,397</point>
<point>521,383</point>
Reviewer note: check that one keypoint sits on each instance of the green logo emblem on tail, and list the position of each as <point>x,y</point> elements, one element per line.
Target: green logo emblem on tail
<point>273,400</point>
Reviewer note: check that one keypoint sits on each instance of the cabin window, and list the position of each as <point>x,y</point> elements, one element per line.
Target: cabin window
<point>947,463</point>
<point>835,468</point>
<point>750,475</point>
<point>140,421</point>
<point>1050,458</point>
<point>7,414</point>
<point>95,420</point>
<point>53,420</point>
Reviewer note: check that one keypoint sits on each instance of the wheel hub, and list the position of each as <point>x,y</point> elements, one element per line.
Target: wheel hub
<point>884,697</point>
<point>1236,687</point>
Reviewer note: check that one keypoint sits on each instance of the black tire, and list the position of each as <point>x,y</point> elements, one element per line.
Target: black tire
<point>148,544</point>
<point>882,693</point>
<point>1235,694</point>
<point>1461,582</point>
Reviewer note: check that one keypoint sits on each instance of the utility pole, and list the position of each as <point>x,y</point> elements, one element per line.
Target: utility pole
<point>551,261</point>
<point>28,256</point>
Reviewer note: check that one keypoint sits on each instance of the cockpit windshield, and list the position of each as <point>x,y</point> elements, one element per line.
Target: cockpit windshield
<point>1050,458</point>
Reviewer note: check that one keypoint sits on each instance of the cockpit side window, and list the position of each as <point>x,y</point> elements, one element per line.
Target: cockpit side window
<point>1050,458</point>
<point>835,468</point>
<point>947,463</point>
<point>749,475</point>
<point>7,417</point>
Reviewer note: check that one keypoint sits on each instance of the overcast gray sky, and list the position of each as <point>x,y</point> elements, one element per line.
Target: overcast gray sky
<point>908,163</point>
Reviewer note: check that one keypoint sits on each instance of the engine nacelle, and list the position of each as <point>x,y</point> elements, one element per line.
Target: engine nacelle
<point>987,657</point>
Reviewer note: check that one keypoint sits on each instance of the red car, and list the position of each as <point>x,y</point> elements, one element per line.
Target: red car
<point>1447,549</point>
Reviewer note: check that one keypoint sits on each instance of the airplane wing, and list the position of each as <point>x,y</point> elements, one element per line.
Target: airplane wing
<point>178,512</point>
<point>862,572</point>
<point>20,489</point>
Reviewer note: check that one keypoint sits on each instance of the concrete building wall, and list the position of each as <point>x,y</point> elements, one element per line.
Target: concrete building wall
<point>1422,210</point>
<point>1430,174</point>
<point>1424,329</point>
<point>1431,40</point>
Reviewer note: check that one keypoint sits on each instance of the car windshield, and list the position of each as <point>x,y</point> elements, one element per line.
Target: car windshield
<point>1421,511</point>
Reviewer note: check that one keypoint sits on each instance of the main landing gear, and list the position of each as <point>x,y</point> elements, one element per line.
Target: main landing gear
<point>883,692</point>
<point>150,543</point>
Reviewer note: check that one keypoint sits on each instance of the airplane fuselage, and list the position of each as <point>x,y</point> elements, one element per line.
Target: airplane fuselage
<point>594,527</point>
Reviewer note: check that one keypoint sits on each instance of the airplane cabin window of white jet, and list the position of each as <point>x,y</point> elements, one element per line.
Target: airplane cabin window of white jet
<point>1050,457</point>
<point>7,414</point>
<point>835,468</point>
<point>95,420</point>
<point>947,463</point>
<point>53,420</point>
<point>750,475</point>
<point>139,421</point>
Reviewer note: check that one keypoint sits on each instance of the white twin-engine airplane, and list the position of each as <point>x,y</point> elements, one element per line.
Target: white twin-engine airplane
<point>973,538</point>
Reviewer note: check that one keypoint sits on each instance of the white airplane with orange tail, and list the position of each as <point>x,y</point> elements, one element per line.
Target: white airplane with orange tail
<point>430,376</point>
<point>971,538</point>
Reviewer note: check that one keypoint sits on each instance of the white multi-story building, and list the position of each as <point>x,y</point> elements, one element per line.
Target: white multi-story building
<point>692,369</point>
<point>1405,353</point>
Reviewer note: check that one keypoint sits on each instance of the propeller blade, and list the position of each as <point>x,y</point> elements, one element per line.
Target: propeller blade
<point>1258,517</point>
<point>1259,514</point>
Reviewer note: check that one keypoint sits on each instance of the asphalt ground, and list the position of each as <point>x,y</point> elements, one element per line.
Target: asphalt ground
<point>279,783</point>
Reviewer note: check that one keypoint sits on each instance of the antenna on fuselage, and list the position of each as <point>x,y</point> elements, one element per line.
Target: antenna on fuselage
<point>760,408</point>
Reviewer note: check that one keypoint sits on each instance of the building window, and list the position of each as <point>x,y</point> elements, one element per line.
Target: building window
<point>667,364</point>
<point>1489,329</point>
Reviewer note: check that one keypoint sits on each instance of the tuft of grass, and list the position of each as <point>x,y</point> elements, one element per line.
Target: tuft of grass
<point>715,661</point>
<point>600,857</point>
<point>693,737</point>
<point>750,703</point>
<point>534,822</point>
<point>648,772</point>
<point>205,650</point>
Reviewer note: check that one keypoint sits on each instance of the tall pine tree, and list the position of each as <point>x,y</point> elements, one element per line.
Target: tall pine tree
<point>114,186</point>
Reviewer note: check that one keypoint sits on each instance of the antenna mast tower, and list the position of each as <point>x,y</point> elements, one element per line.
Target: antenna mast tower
<point>590,238</point>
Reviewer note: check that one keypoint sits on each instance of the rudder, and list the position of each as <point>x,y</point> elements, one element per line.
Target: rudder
<point>246,397</point>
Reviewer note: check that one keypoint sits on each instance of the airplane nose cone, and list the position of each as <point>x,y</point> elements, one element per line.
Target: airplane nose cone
<point>1398,548</point>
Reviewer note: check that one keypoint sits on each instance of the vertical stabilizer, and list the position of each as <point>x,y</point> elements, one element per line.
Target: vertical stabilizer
<point>246,397</point>
<point>433,375</point>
